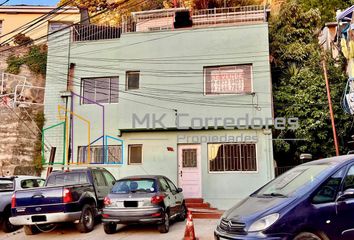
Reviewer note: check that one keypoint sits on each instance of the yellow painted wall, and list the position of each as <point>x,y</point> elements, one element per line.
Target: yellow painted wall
<point>11,21</point>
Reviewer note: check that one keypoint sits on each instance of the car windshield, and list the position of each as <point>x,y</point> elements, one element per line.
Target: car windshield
<point>6,185</point>
<point>288,183</point>
<point>135,185</point>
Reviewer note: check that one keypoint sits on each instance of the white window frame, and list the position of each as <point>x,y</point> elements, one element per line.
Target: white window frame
<point>82,102</point>
<point>223,94</point>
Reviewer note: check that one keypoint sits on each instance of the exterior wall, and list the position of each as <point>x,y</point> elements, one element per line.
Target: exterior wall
<point>14,20</point>
<point>164,60</point>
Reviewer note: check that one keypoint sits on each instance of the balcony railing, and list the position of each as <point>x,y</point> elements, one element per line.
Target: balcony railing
<point>233,15</point>
<point>94,32</point>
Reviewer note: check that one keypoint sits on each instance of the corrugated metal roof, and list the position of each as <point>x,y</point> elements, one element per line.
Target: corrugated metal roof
<point>347,13</point>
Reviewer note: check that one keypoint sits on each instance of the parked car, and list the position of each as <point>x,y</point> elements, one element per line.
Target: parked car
<point>68,196</point>
<point>313,201</point>
<point>143,199</point>
<point>8,185</point>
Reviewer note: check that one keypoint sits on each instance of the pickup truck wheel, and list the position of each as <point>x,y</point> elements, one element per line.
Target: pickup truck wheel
<point>30,230</point>
<point>6,226</point>
<point>87,219</point>
<point>307,236</point>
<point>110,228</point>
<point>164,227</point>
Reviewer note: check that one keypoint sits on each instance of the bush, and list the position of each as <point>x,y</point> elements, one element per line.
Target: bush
<point>35,59</point>
<point>14,64</point>
<point>22,40</point>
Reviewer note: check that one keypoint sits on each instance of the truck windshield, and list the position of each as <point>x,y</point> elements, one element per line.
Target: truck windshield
<point>135,185</point>
<point>291,181</point>
<point>6,185</point>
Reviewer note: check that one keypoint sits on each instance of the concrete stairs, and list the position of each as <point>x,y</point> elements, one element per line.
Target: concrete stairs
<point>201,209</point>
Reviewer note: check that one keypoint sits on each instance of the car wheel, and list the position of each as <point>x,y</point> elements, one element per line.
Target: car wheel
<point>6,226</point>
<point>183,214</point>
<point>110,228</point>
<point>307,236</point>
<point>87,220</point>
<point>30,230</point>
<point>164,227</point>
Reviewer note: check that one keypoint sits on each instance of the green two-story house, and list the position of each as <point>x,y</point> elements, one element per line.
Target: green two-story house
<point>184,94</point>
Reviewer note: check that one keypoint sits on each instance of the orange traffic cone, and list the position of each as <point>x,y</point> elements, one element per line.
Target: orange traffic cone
<point>189,232</point>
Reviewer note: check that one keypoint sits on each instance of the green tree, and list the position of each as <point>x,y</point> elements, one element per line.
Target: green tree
<point>299,86</point>
<point>327,8</point>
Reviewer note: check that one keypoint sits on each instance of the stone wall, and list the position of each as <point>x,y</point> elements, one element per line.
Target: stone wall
<point>18,132</point>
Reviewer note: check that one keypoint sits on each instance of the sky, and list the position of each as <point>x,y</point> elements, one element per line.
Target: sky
<point>32,2</point>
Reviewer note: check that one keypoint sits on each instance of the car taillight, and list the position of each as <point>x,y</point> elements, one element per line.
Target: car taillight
<point>107,201</point>
<point>157,199</point>
<point>67,196</point>
<point>13,201</point>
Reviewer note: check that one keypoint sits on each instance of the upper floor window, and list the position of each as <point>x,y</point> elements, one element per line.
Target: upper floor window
<point>232,157</point>
<point>133,80</point>
<point>1,26</point>
<point>101,90</point>
<point>235,79</point>
<point>55,26</point>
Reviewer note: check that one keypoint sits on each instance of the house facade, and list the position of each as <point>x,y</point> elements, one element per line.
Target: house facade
<point>14,17</point>
<point>189,99</point>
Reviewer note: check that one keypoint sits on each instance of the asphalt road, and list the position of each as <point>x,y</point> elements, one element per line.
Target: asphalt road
<point>203,227</point>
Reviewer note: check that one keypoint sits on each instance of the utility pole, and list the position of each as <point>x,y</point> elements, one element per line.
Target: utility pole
<point>330,106</point>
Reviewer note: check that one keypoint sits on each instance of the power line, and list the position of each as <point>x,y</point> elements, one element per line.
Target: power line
<point>69,26</point>
<point>34,22</point>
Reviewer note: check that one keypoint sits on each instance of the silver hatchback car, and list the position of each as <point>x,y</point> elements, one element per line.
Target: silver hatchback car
<point>143,199</point>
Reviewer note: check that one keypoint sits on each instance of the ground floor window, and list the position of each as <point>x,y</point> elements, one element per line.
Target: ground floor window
<point>114,154</point>
<point>135,154</point>
<point>232,157</point>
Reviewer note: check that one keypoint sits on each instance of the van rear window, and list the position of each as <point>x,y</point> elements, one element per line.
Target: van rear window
<point>6,185</point>
<point>67,179</point>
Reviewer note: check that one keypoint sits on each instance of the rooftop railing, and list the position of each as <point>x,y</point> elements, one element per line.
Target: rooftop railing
<point>165,19</point>
<point>233,15</point>
<point>95,32</point>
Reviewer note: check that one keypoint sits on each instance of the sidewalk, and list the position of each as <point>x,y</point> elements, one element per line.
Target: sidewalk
<point>204,231</point>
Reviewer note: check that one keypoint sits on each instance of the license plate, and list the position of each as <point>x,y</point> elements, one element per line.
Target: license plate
<point>39,218</point>
<point>129,204</point>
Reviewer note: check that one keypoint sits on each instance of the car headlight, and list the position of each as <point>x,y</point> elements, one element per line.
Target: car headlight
<point>264,223</point>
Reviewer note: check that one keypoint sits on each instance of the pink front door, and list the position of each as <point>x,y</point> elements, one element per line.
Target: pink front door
<point>189,170</point>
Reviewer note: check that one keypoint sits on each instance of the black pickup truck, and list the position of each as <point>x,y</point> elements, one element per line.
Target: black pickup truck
<point>68,196</point>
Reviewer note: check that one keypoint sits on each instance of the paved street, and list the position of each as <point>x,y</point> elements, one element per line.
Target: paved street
<point>204,231</point>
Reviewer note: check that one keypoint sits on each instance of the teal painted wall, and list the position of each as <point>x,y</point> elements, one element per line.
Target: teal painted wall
<point>171,65</point>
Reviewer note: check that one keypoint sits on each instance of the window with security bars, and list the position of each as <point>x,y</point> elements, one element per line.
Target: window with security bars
<point>189,158</point>
<point>232,157</point>
<point>101,90</point>
<point>96,154</point>
<point>235,79</point>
